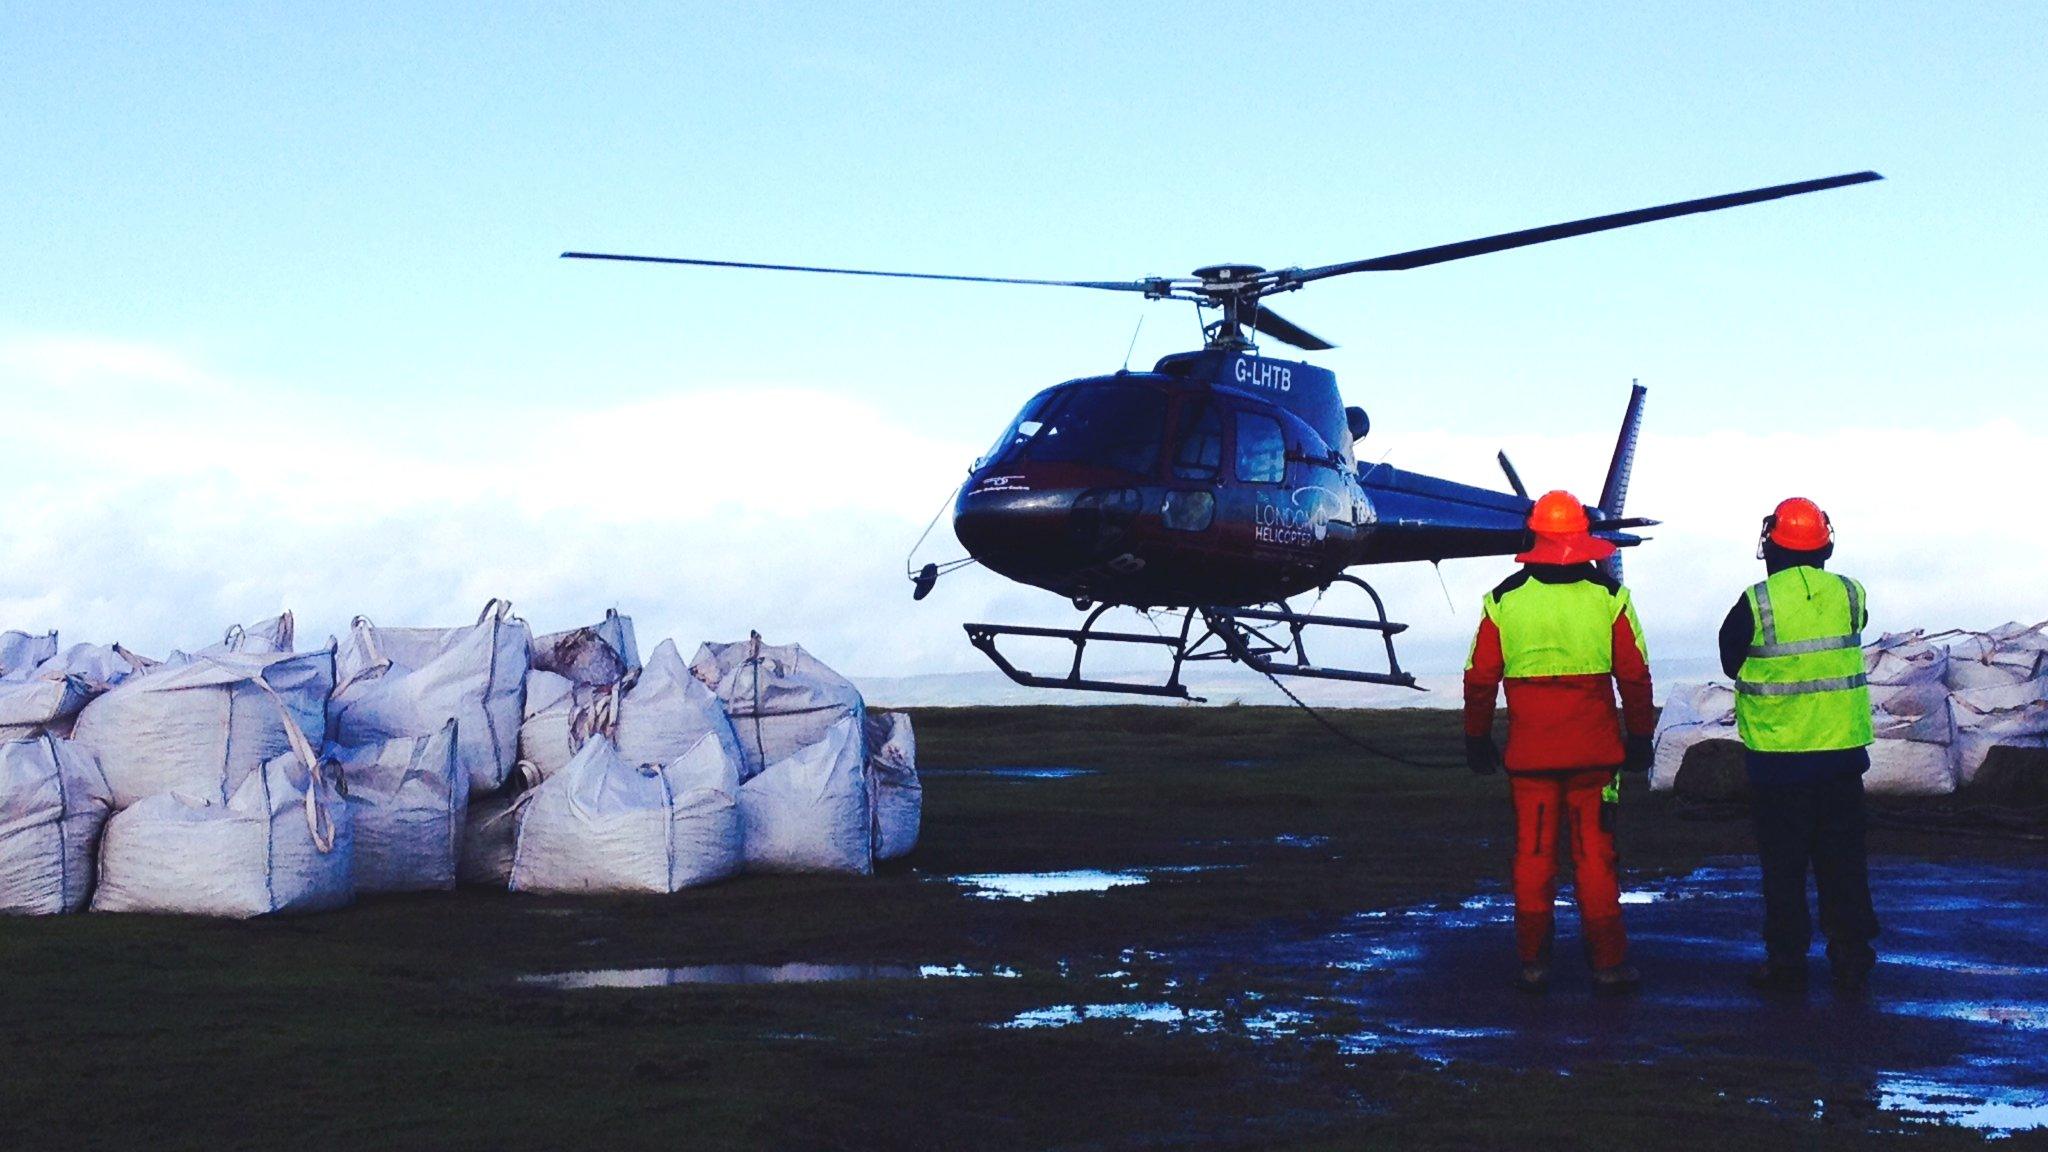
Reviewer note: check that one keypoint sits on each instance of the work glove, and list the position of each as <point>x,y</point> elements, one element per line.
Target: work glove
<point>1481,756</point>
<point>1640,751</point>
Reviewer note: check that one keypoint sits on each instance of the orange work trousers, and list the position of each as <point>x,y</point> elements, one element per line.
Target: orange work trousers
<point>1553,809</point>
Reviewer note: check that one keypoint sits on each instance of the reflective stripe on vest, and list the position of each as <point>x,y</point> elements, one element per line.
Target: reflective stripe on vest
<point>1802,686</point>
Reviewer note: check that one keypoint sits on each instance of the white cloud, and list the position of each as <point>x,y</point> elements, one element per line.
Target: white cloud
<point>158,515</point>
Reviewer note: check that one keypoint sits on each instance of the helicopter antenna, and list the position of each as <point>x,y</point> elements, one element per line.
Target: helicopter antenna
<point>1134,341</point>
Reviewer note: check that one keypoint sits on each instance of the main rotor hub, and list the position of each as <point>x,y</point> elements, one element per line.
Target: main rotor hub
<point>1225,275</point>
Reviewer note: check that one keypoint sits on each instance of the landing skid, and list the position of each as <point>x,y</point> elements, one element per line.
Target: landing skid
<point>1267,640</point>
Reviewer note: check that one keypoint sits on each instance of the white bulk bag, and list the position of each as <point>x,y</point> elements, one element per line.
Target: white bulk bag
<point>2010,716</point>
<point>272,635</point>
<point>892,772</point>
<point>654,715</point>
<point>206,726</point>
<point>49,697</point>
<point>408,800</point>
<point>32,706</point>
<point>1912,756</point>
<point>596,656</point>
<point>780,697</point>
<point>811,811</point>
<point>560,715</point>
<point>21,653</point>
<point>397,682</point>
<point>281,843</point>
<point>1692,713</point>
<point>604,825</point>
<point>1907,673</point>
<point>53,803</point>
<point>663,711</point>
<point>100,666</point>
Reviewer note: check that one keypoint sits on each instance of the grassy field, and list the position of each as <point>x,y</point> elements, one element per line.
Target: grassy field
<point>401,1022</point>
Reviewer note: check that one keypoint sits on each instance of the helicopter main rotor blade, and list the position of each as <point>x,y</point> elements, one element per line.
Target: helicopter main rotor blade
<point>1270,323</point>
<point>1421,257</point>
<point>1157,285</point>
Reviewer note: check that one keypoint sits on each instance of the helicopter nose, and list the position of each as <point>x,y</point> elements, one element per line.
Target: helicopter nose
<point>1014,530</point>
<point>1041,532</point>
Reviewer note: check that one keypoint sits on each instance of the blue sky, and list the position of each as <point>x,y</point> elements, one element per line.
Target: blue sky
<point>328,233</point>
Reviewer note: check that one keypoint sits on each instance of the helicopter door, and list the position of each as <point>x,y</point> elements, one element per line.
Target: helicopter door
<point>1190,504</point>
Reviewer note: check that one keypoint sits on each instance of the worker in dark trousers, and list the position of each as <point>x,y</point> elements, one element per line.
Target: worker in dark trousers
<point>1562,635</point>
<point>1794,647</point>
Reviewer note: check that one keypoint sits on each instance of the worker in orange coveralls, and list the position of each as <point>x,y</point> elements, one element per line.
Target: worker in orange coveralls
<point>1563,636</point>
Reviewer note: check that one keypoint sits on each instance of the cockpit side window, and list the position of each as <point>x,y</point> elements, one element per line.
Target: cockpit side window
<point>1261,449</point>
<point>1198,449</point>
<point>1116,426</point>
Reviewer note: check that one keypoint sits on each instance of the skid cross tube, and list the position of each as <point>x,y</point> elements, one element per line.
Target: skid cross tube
<point>983,636</point>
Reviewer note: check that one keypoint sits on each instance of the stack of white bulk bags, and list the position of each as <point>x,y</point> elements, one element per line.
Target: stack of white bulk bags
<point>408,800</point>
<point>811,810</point>
<point>205,726</point>
<point>892,771</point>
<point>597,656</point>
<point>603,824</point>
<point>396,682</point>
<point>280,843</point>
<point>1692,713</point>
<point>53,803</point>
<point>2007,655</point>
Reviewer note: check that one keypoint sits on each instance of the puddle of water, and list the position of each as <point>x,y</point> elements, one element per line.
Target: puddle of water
<point>1994,1111</point>
<point>720,974</point>
<point>2023,1017</point>
<point>1014,773</point>
<point>955,971</point>
<point>1032,885</point>
<point>1065,1015</point>
<point>1301,841</point>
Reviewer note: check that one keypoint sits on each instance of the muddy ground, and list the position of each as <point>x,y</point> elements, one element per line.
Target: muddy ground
<point>1292,945</point>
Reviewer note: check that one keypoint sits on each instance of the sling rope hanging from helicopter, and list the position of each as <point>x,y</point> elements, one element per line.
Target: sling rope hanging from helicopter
<point>1348,738</point>
<point>923,579</point>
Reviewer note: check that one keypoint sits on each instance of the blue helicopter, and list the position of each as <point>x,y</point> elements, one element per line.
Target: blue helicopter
<point>1222,483</point>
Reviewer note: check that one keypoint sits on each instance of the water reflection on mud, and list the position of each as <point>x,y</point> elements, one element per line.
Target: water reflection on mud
<point>1952,1029</point>
<point>754,974</point>
<point>1012,773</point>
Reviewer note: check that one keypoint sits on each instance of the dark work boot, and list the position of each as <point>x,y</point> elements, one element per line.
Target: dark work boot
<point>1533,978</point>
<point>1850,968</point>
<point>1775,976</point>
<point>1616,981</point>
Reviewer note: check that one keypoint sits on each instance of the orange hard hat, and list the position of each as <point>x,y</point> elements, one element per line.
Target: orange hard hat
<point>1558,513</point>
<point>1561,533</point>
<point>1798,524</point>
